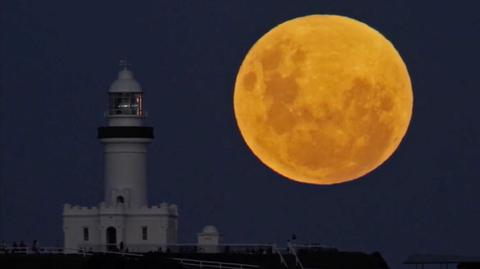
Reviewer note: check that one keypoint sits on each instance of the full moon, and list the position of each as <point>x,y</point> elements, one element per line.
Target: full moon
<point>323,99</point>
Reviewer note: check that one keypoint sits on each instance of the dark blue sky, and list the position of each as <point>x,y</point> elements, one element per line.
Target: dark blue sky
<point>58,58</point>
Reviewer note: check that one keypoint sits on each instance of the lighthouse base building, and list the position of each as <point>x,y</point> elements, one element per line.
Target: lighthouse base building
<point>123,221</point>
<point>119,228</point>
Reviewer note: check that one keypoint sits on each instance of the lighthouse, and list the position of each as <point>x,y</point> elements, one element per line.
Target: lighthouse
<point>125,141</point>
<point>124,220</point>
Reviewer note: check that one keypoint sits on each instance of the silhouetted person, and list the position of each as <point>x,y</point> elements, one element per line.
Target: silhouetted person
<point>121,246</point>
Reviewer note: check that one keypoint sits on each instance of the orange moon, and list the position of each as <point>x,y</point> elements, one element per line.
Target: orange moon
<point>323,99</point>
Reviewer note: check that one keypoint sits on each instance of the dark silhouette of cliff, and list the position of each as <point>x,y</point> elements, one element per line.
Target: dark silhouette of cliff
<point>461,262</point>
<point>84,262</point>
<point>325,259</point>
<point>469,265</point>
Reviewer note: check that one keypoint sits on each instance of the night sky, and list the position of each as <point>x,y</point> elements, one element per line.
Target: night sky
<point>58,59</point>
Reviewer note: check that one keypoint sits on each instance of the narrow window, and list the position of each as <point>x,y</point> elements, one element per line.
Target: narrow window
<point>85,234</point>
<point>144,233</point>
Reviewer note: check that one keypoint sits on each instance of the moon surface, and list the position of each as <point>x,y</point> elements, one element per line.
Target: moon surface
<point>323,99</point>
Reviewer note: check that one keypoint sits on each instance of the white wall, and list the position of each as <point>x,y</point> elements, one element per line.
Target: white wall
<point>161,223</point>
<point>73,231</point>
<point>125,169</point>
<point>209,242</point>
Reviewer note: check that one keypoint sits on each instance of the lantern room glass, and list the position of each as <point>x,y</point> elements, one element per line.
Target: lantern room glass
<point>129,104</point>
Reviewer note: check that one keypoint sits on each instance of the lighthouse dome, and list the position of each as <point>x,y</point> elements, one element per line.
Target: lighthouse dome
<point>125,83</point>
<point>210,229</point>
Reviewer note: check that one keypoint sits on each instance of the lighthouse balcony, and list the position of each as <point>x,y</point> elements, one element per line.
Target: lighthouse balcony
<point>125,132</point>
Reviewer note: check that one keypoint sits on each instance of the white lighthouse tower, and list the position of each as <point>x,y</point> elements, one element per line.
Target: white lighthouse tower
<point>124,220</point>
<point>125,142</point>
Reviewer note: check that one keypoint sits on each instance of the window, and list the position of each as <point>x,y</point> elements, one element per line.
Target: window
<point>144,233</point>
<point>85,234</point>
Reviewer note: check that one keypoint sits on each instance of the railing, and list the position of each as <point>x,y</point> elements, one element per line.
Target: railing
<point>297,259</point>
<point>313,246</point>
<point>58,250</point>
<point>282,259</point>
<point>185,248</point>
<point>120,253</point>
<point>214,264</point>
<point>39,250</point>
<point>135,250</point>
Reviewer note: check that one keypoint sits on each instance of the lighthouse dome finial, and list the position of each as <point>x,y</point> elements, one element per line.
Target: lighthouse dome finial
<point>126,81</point>
<point>124,64</point>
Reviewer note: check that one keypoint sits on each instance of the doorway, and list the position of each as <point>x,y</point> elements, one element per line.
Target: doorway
<point>111,239</point>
